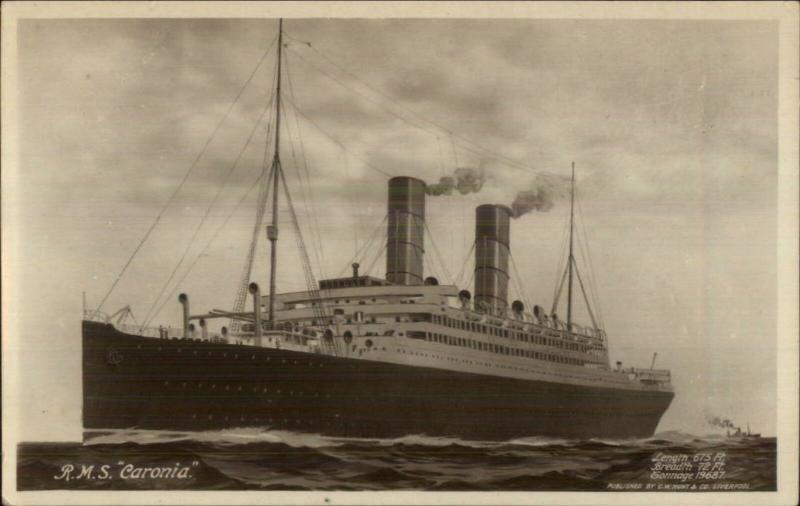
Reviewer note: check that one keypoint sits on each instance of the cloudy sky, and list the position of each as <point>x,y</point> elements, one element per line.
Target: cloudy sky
<point>672,126</point>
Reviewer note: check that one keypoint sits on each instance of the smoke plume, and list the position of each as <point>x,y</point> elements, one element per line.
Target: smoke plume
<point>722,423</point>
<point>465,180</point>
<point>540,196</point>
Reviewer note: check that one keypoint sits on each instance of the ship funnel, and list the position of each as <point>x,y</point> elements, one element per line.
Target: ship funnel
<point>406,231</point>
<point>256,291</point>
<point>492,231</point>
<point>184,300</point>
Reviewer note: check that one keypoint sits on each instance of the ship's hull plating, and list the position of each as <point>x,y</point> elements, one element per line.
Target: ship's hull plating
<point>145,383</point>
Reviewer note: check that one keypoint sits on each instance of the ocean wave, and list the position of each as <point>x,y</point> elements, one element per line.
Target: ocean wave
<point>257,458</point>
<point>254,435</point>
<point>224,437</point>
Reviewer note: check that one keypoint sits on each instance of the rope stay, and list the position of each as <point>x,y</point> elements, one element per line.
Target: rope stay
<point>240,300</point>
<point>520,286</point>
<point>335,140</point>
<point>318,305</point>
<point>558,293</point>
<point>210,242</point>
<point>437,254</point>
<point>465,263</point>
<point>241,293</point>
<point>315,230</point>
<point>381,250</point>
<point>183,180</point>
<point>561,268</point>
<point>585,298</point>
<point>207,213</point>
<point>359,256</point>
<point>463,141</point>
<point>593,287</point>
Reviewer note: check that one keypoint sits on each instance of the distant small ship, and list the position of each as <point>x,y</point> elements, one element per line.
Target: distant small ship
<point>739,433</point>
<point>369,356</point>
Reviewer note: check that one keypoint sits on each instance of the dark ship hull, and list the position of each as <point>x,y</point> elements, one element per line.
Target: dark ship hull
<point>146,383</point>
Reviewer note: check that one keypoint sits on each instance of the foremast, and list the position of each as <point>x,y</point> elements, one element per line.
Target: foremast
<point>272,230</point>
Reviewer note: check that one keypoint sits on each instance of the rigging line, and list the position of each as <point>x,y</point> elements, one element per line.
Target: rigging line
<point>495,155</point>
<point>438,254</point>
<point>208,209</point>
<point>593,287</point>
<point>471,279</point>
<point>359,93</point>
<point>266,167</point>
<point>465,263</point>
<point>585,298</point>
<point>561,262</point>
<point>483,153</point>
<point>441,156</point>
<point>335,141</point>
<point>320,252</point>
<point>299,177</point>
<point>185,178</point>
<point>261,209</point>
<point>453,145</point>
<point>584,254</point>
<point>558,293</point>
<point>383,245</point>
<point>378,253</point>
<point>478,150</point>
<point>584,263</point>
<point>521,286</point>
<point>357,257</point>
<point>319,309</point>
<point>210,241</point>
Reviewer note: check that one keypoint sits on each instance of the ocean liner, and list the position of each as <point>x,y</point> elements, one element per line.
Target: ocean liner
<point>367,356</point>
